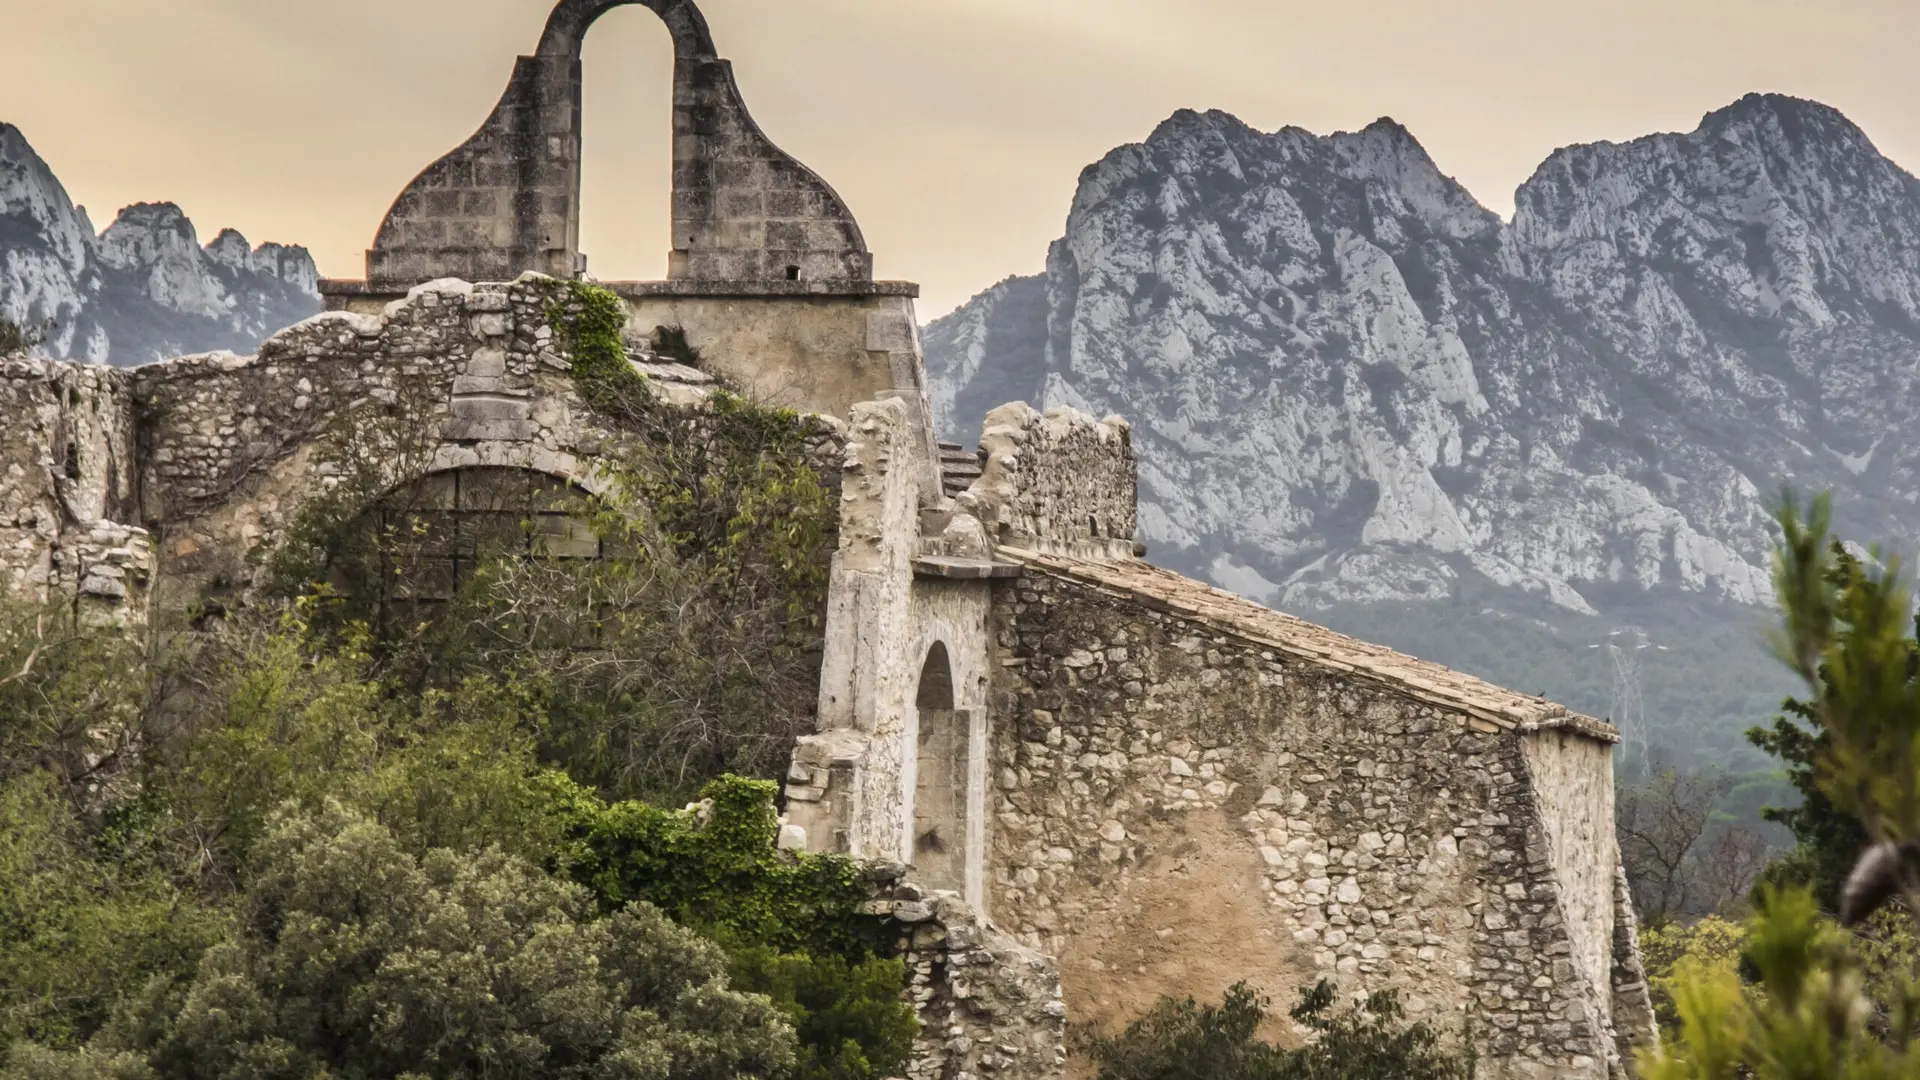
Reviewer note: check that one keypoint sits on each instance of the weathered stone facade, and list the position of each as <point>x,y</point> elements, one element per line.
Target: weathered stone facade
<point>68,485</point>
<point>1163,750</point>
<point>1105,782</point>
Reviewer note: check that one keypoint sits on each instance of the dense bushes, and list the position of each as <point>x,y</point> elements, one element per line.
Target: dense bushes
<point>288,742</point>
<point>352,958</point>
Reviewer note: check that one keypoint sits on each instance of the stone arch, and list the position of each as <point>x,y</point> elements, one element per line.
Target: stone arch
<point>418,544</point>
<point>941,826</point>
<point>508,199</point>
<point>571,19</point>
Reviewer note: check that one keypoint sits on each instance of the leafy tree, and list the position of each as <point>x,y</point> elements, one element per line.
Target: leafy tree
<point>790,920</point>
<point>354,959</point>
<point>83,913</point>
<point>1183,1040</point>
<point>71,696</point>
<point>1712,944</point>
<point>849,1016</point>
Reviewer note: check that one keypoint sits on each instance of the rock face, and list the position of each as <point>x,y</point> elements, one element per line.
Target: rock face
<point>1353,386</point>
<point>143,290</point>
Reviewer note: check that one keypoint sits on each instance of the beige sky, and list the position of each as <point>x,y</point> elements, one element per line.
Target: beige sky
<point>955,128</point>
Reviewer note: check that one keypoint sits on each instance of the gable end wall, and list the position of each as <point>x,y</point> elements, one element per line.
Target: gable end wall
<point>1174,809</point>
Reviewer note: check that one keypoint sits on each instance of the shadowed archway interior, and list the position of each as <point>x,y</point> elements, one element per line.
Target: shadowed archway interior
<point>940,791</point>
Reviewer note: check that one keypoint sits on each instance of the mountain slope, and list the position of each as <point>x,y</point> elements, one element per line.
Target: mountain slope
<point>1356,392</point>
<point>143,290</point>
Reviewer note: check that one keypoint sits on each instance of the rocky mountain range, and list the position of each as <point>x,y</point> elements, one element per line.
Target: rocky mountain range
<point>144,289</point>
<point>1360,395</point>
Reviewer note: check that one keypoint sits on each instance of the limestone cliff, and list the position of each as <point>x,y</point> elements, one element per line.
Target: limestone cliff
<point>143,290</point>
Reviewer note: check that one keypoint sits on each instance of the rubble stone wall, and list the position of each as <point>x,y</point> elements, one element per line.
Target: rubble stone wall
<point>988,1005</point>
<point>217,454</point>
<point>454,376</point>
<point>1056,481</point>
<point>1178,808</point>
<point>67,487</point>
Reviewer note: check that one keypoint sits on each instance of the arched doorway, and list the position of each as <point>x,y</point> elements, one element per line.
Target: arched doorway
<point>940,819</point>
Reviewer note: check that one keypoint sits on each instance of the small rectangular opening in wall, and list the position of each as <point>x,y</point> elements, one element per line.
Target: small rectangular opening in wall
<point>793,273</point>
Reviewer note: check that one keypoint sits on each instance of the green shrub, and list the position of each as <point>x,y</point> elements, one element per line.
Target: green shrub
<point>354,959</point>
<point>1183,1040</point>
<point>790,920</point>
<point>850,1018</point>
<point>82,916</point>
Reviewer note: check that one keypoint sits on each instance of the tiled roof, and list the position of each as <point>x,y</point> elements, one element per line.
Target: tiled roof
<point>1236,616</point>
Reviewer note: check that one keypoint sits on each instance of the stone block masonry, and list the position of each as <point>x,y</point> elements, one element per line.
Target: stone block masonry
<point>508,199</point>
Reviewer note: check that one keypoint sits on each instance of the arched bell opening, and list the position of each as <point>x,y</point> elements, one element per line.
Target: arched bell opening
<point>626,154</point>
<point>940,807</point>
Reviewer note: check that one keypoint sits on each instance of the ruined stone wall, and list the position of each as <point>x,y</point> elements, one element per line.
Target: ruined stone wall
<point>454,376</point>
<point>1059,481</point>
<point>1179,806</point>
<point>882,624</point>
<point>67,487</point>
<point>988,1006</point>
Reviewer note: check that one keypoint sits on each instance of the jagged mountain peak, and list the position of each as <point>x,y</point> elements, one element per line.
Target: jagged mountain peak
<point>1785,206</point>
<point>1352,385</point>
<point>144,288</point>
<point>1223,157</point>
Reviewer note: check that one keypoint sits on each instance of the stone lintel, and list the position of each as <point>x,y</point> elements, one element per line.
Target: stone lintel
<point>957,569</point>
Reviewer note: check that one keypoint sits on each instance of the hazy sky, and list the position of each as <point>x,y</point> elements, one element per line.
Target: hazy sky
<point>954,128</point>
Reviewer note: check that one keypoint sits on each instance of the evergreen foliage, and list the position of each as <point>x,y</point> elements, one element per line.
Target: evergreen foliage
<point>1823,1002</point>
<point>353,959</point>
<point>1829,839</point>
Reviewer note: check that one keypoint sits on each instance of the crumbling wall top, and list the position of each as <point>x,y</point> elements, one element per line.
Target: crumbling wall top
<point>1056,481</point>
